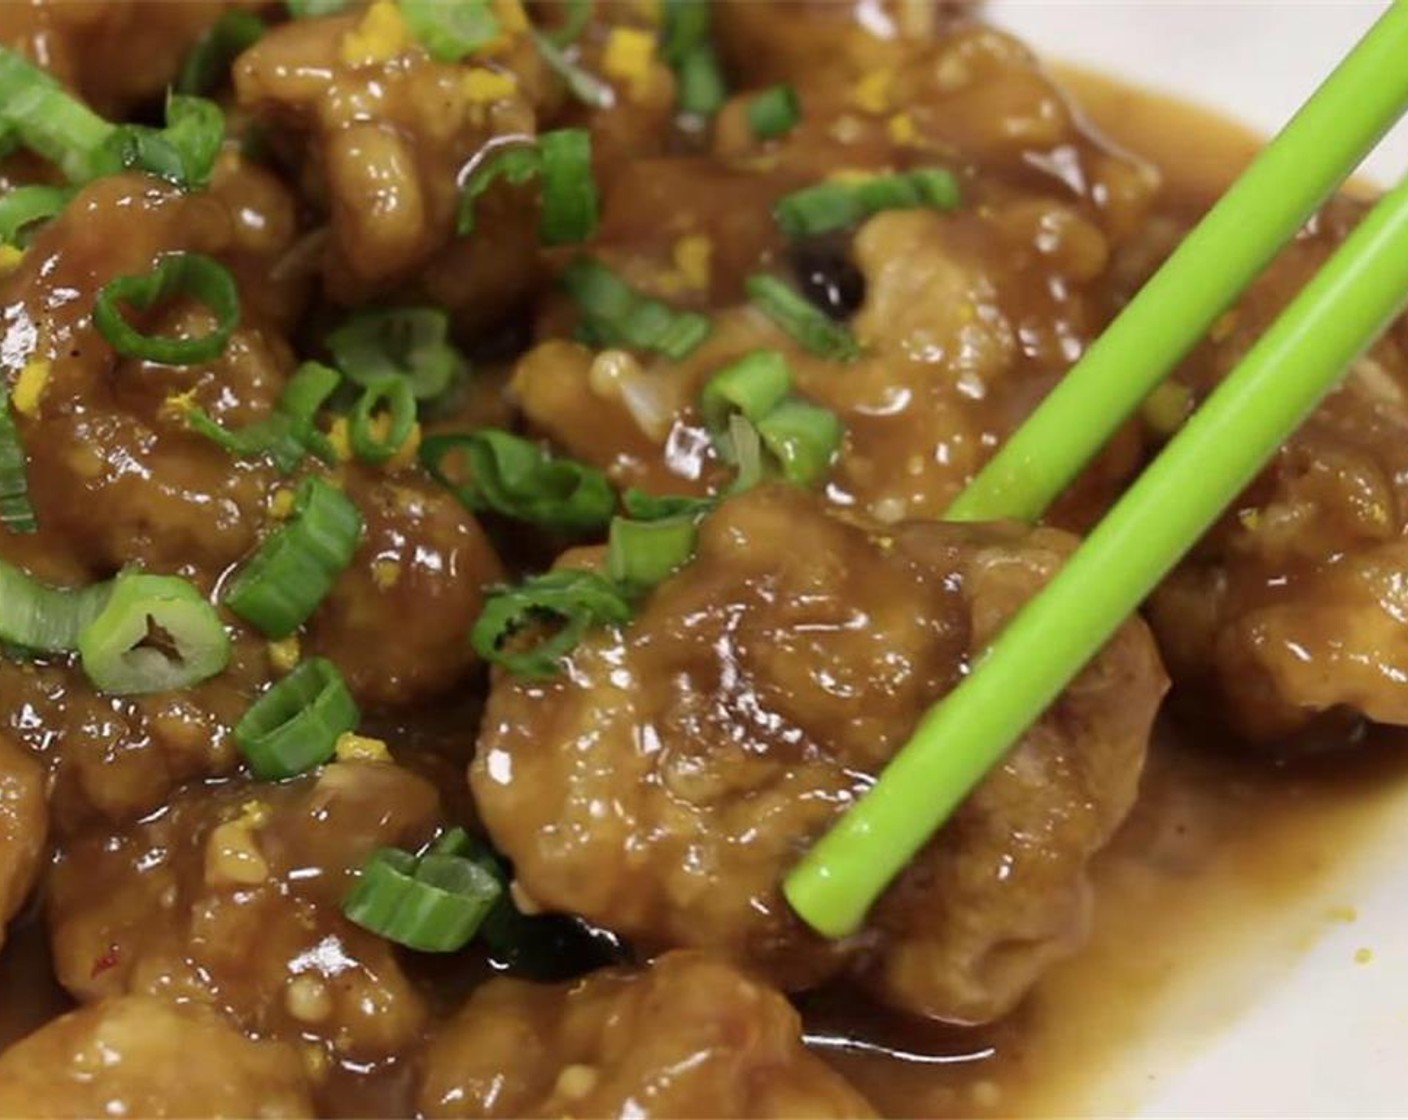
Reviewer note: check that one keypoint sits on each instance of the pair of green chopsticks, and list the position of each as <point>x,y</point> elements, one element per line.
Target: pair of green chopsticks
<point>1217,453</point>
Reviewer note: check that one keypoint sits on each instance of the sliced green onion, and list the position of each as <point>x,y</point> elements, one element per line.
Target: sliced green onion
<point>519,479</point>
<point>295,725</point>
<point>45,619</point>
<point>409,342</point>
<point>290,432</point>
<point>578,15</point>
<point>395,396</point>
<point>832,205</point>
<point>16,510</point>
<point>451,29</point>
<point>653,507</point>
<point>25,207</point>
<point>189,275</point>
<point>585,87</point>
<point>702,90</point>
<point>745,448</point>
<point>791,311</point>
<point>686,28</point>
<point>574,600</point>
<point>618,315</point>
<point>182,153</point>
<point>816,209</point>
<point>754,385</point>
<point>563,159</point>
<point>514,163</point>
<point>641,554</point>
<point>570,201</point>
<point>774,112</point>
<point>689,52</point>
<point>312,9</point>
<point>804,439</point>
<point>153,634</point>
<point>937,187</point>
<point>293,571</point>
<point>209,60</point>
<point>435,903</point>
<point>49,120</point>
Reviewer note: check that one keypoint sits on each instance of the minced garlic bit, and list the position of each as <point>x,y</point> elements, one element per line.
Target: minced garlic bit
<point>629,55</point>
<point>872,92</point>
<point>285,654</point>
<point>10,257</point>
<point>483,86</point>
<point>901,129</point>
<point>381,34</point>
<point>281,504</point>
<point>1250,519</point>
<point>308,999</point>
<point>1167,407</point>
<point>386,573</point>
<point>693,256</point>
<point>178,405</point>
<point>29,387</point>
<point>577,1081</point>
<point>232,855</point>
<point>352,747</point>
<point>340,440</point>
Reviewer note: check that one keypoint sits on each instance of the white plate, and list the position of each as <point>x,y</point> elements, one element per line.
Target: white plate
<point>1326,1033</point>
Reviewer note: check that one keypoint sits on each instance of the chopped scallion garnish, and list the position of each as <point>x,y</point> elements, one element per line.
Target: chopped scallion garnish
<point>16,509</point>
<point>49,120</point>
<point>655,507</point>
<point>754,385</point>
<point>516,164</point>
<point>176,275</point>
<point>837,205</point>
<point>434,903</point>
<point>774,112</point>
<point>44,619</point>
<point>293,571</point>
<point>701,82</point>
<point>393,396</point>
<point>803,438</point>
<point>573,601</point>
<point>208,62</point>
<point>295,725</point>
<point>616,314</point>
<point>407,342</point>
<point>451,29</point>
<point>569,192</point>
<point>791,311</point>
<point>563,160</point>
<point>517,478</point>
<point>25,207</point>
<point>153,634</point>
<point>577,14</point>
<point>182,153</point>
<point>287,434</point>
<point>641,554</point>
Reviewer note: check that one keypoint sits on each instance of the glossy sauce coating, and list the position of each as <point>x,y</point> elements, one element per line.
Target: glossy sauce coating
<point>661,786</point>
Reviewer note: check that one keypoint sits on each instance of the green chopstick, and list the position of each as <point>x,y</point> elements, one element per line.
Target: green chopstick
<point>1348,304</point>
<point>1314,153</point>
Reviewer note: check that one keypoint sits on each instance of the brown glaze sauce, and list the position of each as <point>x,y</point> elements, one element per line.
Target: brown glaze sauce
<point>1218,845</point>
